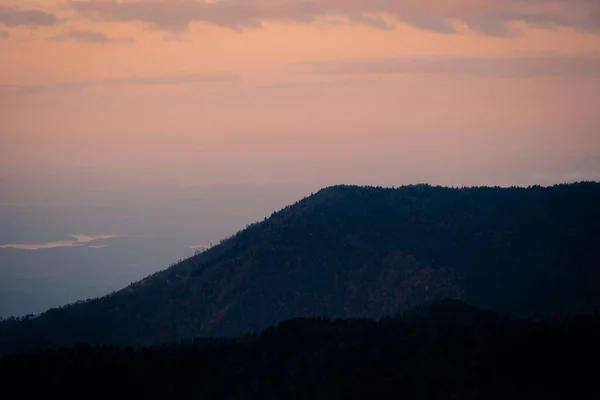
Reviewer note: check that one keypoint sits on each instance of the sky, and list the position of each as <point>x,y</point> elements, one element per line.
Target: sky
<point>134,132</point>
<point>104,95</point>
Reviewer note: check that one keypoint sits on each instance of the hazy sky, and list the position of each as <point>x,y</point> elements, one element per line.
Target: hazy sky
<point>174,123</point>
<point>183,92</point>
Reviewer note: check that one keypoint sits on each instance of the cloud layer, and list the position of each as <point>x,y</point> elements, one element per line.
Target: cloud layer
<point>525,66</point>
<point>89,36</point>
<point>490,17</point>
<point>13,16</point>
<point>173,79</point>
<point>79,241</point>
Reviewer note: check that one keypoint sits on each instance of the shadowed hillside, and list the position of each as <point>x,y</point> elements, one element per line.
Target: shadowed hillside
<point>351,251</point>
<point>446,351</point>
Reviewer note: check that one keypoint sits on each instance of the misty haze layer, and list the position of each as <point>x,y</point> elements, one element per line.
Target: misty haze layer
<point>44,266</point>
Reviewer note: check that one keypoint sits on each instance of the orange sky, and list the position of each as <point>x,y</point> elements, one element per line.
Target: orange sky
<point>328,91</point>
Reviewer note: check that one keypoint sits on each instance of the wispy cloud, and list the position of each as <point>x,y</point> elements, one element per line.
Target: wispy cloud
<point>173,79</point>
<point>80,240</point>
<point>13,16</point>
<point>546,65</point>
<point>310,84</point>
<point>88,36</point>
<point>4,34</point>
<point>358,81</point>
<point>489,17</point>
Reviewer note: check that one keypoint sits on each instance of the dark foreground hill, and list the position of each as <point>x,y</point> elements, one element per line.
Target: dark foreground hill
<point>351,251</point>
<point>446,351</point>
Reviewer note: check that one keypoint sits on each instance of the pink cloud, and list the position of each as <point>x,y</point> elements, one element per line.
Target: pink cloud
<point>155,80</point>
<point>490,17</point>
<point>89,36</point>
<point>14,16</point>
<point>524,66</point>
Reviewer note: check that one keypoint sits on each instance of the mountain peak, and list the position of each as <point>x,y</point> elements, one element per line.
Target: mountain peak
<point>354,251</point>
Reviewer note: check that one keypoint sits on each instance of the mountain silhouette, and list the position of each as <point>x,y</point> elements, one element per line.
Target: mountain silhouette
<point>349,251</point>
<point>445,350</point>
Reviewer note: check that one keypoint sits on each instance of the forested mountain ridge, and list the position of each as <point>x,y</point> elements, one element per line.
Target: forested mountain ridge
<point>447,350</point>
<point>351,251</point>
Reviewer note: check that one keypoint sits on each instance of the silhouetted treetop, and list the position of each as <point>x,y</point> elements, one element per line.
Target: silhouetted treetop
<point>446,350</point>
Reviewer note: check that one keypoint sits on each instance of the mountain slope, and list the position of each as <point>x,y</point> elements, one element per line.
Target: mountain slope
<point>445,351</point>
<point>351,251</point>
